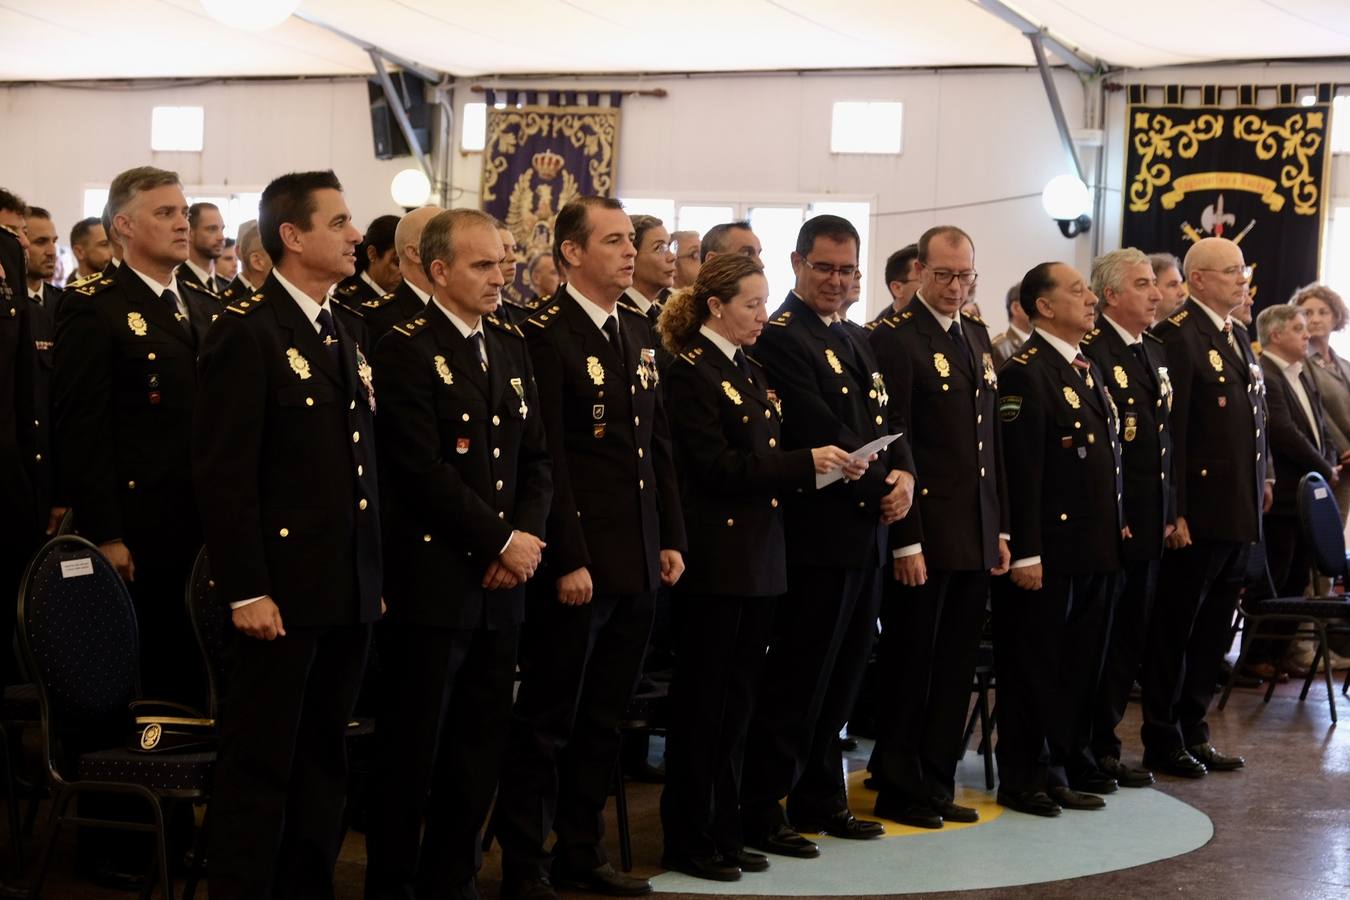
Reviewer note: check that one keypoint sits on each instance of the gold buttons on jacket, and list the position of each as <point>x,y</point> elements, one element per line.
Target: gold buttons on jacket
<point>500,514</point>
<point>131,485</point>
<point>774,503</point>
<point>500,484</point>
<point>844,389</point>
<point>924,492</point>
<point>766,413</point>
<point>1064,517</point>
<point>363,504</point>
<point>1077,424</point>
<point>773,442</point>
<point>309,401</point>
<point>641,453</point>
<point>637,420</point>
<point>426,538</point>
<point>878,420</point>
<point>862,504</point>
<point>946,387</point>
<point>981,471</point>
<point>872,395</point>
<point>285,532</point>
<point>1092,438</point>
<point>356,437</point>
<point>465,417</point>
<point>496,452</point>
<point>730,522</point>
<point>1204,472</point>
<point>496,420</point>
<point>642,485</point>
<point>360,470</point>
<point>150,356</point>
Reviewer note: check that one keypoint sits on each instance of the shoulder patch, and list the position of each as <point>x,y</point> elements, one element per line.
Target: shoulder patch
<point>631,310</point>
<point>503,325</point>
<point>544,317</point>
<point>348,289</point>
<point>1009,407</point>
<point>245,305</point>
<point>373,303</point>
<point>93,285</point>
<point>412,326</point>
<point>81,282</point>
<point>1091,336</point>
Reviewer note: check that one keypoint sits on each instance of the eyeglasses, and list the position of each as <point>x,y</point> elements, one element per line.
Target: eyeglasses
<point>1231,271</point>
<point>826,270</point>
<point>942,276</point>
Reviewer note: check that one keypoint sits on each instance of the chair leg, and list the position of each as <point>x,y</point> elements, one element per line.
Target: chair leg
<point>1331,687</point>
<point>161,852</point>
<point>11,797</point>
<point>198,868</point>
<point>1318,652</point>
<point>57,817</point>
<point>1237,667</point>
<point>621,813</point>
<point>1345,688</point>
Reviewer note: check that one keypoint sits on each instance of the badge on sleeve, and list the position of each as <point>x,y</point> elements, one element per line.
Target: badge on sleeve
<point>1010,407</point>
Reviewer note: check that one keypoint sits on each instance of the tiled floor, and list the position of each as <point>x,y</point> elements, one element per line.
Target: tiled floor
<point>1281,826</point>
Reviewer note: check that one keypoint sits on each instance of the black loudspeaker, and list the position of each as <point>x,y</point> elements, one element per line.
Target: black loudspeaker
<point>412,93</point>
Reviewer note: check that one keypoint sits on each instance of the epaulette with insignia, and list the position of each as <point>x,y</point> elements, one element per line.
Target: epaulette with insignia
<point>1152,336</point>
<point>1179,317</point>
<point>347,307</point>
<point>375,303</point>
<point>349,289</point>
<point>82,281</point>
<point>197,286</point>
<point>92,286</point>
<point>227,294</point>
<point>782,318</point>
<point>546,316</point>
<point>691,356</point>
<point>872,326</point>
<point>632,310</point>
<point>246,305</point>
<point>1091,336</point>
<point>907,315</point>
<point>1025,356</point>
<point>412,326</point>
<point>503,325</point>
<point>972,317</point>
<point>627,303</point>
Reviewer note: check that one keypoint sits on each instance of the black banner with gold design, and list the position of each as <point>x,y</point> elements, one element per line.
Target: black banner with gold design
<point>539,157</point>
<point>1253,173</point>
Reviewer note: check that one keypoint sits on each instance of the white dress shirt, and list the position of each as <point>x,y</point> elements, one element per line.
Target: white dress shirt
<point>1291,371</point>
<point>597,313</point>
<point>719,342</point>
<point>159,290</point>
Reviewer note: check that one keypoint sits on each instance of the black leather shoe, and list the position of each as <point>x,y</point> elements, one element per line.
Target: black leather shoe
<point>1125,776</point>
<point>1070,799</point>
<point>1096,783</point>
<point>1214,760</point>
<point>907,812</point>
<point>843,825</point>
<point>749,861</point>
<point>604,880</point>
<point>785,842</point>
<point>955,812</point>
<point>713,868</point>
<point>528,889</point>
<point>1035,803</point>
<point>1178,762</point>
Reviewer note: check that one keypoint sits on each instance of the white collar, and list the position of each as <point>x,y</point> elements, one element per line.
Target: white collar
<point>827,320</point>
<point>460,325</point>
<point>246,283</point>
<point>1290,369</point>
<point>203,277</point>
<point>1219,323</point>
<point>379,291</point>
<point>944,321</point>
<point>719,342</point>
<point>421,294</point>
<point>1066,350</point>
<point>307,305</point>
<point>1129,339</point>
<point>158,288</point>
<point>1021,335</point>
<point>592,309</point>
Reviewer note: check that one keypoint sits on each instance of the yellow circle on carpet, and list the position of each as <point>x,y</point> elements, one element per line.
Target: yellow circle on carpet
<point>862,800</point>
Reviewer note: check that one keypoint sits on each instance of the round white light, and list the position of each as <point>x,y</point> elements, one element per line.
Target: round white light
<point>410,188</point>
<point>1308,100</point>
<point>250,15</point>
<point>1066,197</point>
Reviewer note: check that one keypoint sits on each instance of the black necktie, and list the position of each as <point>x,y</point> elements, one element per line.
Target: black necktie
<point>171,300</point>
<point>841,332</point>
<point>1138,350</point>
<point>744,365</point>
<point>616,340</point>
<point>328,335</point>
<point>477,338</point>
<point>959,339</point>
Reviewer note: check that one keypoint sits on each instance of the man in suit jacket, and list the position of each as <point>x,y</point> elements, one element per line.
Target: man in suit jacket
<point>464,504</point>
<point>615,532</point>
<point>1019,328</point>
<point>1131,361</point>
<point>124,388</point>
<point>284,469</point>
<point>1220,470</point>
<point>939,372</point>
<point>1064,489</point>
<point>832,392</point>
<point>410,298</point>
<point>1299,443</point>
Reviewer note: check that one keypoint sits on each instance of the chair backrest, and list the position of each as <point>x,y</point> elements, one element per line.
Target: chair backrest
<point>77,631</point>
<point>213,626</point>
<point>67,523</point>
<point>1319,519</point>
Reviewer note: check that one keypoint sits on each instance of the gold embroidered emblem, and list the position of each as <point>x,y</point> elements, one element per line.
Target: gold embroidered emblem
<point>595,370</point>
<point>990,375</point>
<point>940,363</point>
<point>151,735</point>
<point>136,322</point>
<point>732,394</point>
<point>833,361</point>
<point>443,369</point>
<point>879,386</point>
<point>1121,378</point>
<point>299,364</point>
<point>366,374</point>
<point>1216,360</point>
<point>1072,396</point>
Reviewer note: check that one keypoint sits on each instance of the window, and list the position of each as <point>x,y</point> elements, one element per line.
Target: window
<point>777,227</point>
<point>1340,124</point>
<point>649,206</point>
<point>866,127</point>
<point>701,218</point>
<point>176,128</point>
<point>473,128</point>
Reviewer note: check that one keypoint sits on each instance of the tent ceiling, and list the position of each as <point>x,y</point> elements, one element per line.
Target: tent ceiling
<point>41,39</point>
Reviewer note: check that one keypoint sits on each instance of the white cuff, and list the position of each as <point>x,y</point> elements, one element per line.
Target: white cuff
<point>1004,537</point>
<point>509,538</point>
<point>907,550</point>
<point>1028,561</point>
<point>240,604</point>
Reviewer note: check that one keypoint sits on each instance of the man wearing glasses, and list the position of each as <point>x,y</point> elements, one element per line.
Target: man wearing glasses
<point>901,280</point>
<point>831,390</point>
<point>732,237</point>
<point>1223,480</point>
<point>939,372</point>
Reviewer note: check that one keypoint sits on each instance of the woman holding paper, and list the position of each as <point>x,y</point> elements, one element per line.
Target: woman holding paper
<point>726,427</point>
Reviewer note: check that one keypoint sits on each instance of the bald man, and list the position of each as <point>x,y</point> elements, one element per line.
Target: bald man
<point>410,298</point>
<point>1222,481</point>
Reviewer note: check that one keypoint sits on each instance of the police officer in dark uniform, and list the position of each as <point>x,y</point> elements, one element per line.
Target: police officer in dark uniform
<point>124,388</point>
<point>726,426</point>
<point>832,393</point>
<point>284,468</point>
<point>410,298</point>
<point>40,232</point>
<point>1220,469</point>
<point>254,265</point>
<point>614,533</point>
<point>467,492</point>
<point>1132,362</point>
<point>1051,615</point>
<point>939,373</point>
<point>376,264</point>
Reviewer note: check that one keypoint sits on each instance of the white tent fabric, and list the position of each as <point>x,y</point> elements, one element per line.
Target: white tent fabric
<point>83,39</point>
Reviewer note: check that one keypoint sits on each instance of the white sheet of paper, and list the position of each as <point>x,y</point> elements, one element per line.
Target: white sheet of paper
<point>862,452</point>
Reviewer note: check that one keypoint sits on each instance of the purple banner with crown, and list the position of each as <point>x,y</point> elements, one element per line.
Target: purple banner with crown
<point>536,159</point>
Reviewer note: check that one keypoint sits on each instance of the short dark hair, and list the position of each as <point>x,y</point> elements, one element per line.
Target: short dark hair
<point>836,228</point>
<point>229,242</point>
<point>718,237</point>
<point>82,229</point>
<point>897,264</point>
<point>574,223</point>
<point>1036,283</point>
<point>195,212</point>
<point>380,236</point>
<point>950,232</point>
<point>437,240</point>
<point>37,212</point>
<point>10,202</point>
<point>289,199</point>
<point>1013,293</point>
